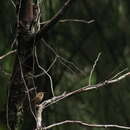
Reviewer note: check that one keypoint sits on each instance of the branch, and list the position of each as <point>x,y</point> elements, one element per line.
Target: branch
<point>93,68</point>
<point>12,2</point>
<point>77,20</point>
<point>55,99</point>
<point>62,58</point>
<point>49,76</point>
<point>5,55</point>
<point>85,125</point>
<point>71,20</point>
<point>54,19</point>
<point>26,87</point>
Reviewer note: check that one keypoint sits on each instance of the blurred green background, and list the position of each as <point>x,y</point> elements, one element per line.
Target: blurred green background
<point>79,43</point>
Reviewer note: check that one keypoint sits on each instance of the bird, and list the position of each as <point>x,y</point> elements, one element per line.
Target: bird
<point>38,98</point>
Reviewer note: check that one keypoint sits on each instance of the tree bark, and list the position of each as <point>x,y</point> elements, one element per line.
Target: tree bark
<point>21,82</point>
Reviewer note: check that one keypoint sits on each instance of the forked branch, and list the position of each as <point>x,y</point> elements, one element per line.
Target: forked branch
<point>56,99</point>
<point>54,19</point>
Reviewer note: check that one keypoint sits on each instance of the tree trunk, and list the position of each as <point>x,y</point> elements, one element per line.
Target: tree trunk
<point>21,83</point>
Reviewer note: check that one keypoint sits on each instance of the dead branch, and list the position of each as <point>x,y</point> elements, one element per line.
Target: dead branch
<point>93,68</point>
<point>61,58</point>
<point>51,82</point>
<point>71,20</point>
<point>54,19</point>
<point>8,53</point>
<point>56,99</point>
<point>85,125</point>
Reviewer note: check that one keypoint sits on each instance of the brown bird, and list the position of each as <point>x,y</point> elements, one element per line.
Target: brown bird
<point>38,98</point>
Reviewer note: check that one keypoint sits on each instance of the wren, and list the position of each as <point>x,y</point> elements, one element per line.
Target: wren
<point>38,98</point>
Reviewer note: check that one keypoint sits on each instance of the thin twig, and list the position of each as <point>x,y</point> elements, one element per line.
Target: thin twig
<point>7,109</point>
<point>54,19</point>
<point>52,64</point>
<point>93,68</point>
<point>12,2</point>
<point>41,74</point>
<point>27,90</point>
<point>48,46</point>
<point>14,42</point>
<point>5,74</point>
<point>77,20</point>
<point>119,73</point>
<point>66,65</point>
<point>71,63</point>
<point>51,82</point>
<point>119,78</point>
<point>18,13</point>
<point>85,125</point>
<point>60,57</point>
<point>33,55</point>
<point>72,20</point>
<point>8,53</point>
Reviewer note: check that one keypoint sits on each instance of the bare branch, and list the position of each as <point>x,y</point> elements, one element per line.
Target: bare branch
<point>119,78</point>
<point>61,58</point>
<point>51,82</point>
<point>121,72</point>
<point>41,74</point>
<point>26,87</point>
<point>93,68</point>
<point>64,64</point>
<point>72,20</point>
<point>54,19</point>
<point>85,125</point>
<point>8,53</point>
<point>12,2</point>
<point>77,20</point>
<point>55,99</point>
